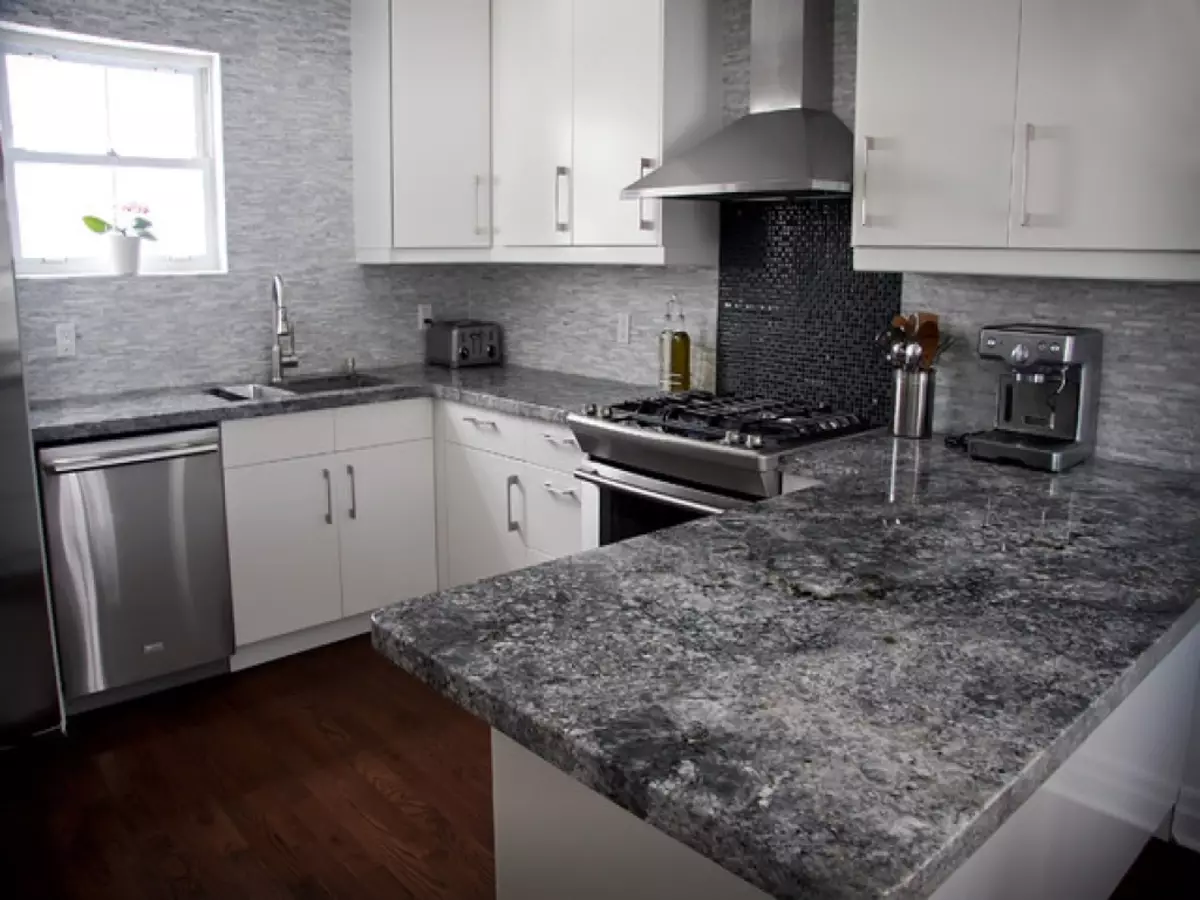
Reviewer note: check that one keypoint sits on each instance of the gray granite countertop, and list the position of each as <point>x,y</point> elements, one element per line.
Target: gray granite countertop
<point>836,693</point>
<point>533,393</point>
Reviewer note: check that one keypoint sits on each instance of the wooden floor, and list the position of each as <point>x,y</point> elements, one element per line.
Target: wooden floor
<point>330,774</point>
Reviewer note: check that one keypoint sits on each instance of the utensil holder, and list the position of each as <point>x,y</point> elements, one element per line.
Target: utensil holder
<point>912,403</point>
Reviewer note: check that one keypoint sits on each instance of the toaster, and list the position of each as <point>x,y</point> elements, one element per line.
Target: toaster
<point>463,342</point>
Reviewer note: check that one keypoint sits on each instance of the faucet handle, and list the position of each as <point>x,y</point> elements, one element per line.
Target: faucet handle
<point>350,365</point>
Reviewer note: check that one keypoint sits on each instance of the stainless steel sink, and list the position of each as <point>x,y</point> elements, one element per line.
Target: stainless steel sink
<point>236,393</point>
<point>318,384</point>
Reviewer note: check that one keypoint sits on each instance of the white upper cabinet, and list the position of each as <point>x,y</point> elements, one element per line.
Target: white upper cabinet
<point>421,93</point>
<point>441,123</point>
<point>1029,137</point>
<point>533,107</point>
<point>932,152</point>
<point>1108,126</point>
<point>618,78</point>
<point>512,126</point>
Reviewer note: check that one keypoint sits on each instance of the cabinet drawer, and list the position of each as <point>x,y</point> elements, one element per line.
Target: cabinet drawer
<point>373,424</point>
<point>484,430</point>
<point>553,512</point>
<point>552,446</point>
<point>249,441</point>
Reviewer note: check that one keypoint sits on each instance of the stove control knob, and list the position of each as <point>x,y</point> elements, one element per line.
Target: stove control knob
<point>754,441</point>
<point>606,412</point>
<point>464,353</point>
<point>590,409</point>
<point>1019,354</point>
<point>733,437</point>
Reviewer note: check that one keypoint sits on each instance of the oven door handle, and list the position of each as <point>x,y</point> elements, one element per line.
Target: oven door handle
<point>665,499</point>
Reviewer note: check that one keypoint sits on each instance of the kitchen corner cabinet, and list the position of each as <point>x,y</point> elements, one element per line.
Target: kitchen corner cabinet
<point>329,514</point>
<point>584,96</point>
<point>1029,137</point>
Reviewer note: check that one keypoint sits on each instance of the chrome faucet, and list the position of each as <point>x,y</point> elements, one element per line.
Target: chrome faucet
<point>283,351</point>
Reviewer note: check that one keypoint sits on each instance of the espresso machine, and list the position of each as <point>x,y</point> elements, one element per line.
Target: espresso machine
<point>1048,397</point>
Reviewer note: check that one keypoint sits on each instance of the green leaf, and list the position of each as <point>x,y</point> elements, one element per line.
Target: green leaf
<point>145,235</point>
<point>97,224</point>
<point>141,223</point>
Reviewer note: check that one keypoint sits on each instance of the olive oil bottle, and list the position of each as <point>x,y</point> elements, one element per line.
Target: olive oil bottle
<point>674,351</point>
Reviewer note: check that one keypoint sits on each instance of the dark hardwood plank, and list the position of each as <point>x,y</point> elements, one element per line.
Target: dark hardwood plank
<point>328,774</point>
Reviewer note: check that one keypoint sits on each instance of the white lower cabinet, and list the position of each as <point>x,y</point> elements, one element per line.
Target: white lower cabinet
<point>485,508</point>
<point>345,528</point>
<point>553,516</point>
<point>388,546</point>
<point>283,547</point>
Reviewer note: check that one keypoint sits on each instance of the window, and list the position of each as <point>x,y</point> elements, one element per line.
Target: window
<point>105,129</point>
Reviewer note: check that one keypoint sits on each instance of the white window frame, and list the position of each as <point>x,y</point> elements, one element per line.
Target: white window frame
<point>206,67</point>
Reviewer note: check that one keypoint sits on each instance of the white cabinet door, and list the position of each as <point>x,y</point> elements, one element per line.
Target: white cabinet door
<point>283,547</point>
<point>532,135</point>
<point>384,505</point>
<point>484,494</point>
<point>1108,125</point>
<point>935,95</point>
<point>441,123</point>
<point>618,75</point>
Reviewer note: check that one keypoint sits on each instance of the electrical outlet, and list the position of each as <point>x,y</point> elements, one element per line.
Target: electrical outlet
<point>424,314</point>
<point>64,338</point>
<point>624,322</point>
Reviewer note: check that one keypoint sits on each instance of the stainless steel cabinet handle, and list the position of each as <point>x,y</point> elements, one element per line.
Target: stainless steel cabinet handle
<point>565,442</point>
<point>863,219</point>
<point>561,223</point>
<point>559,492</point>
<point>1027,139</point>
<point>513,481</point>
<point>481,423</point>
<point>644,222</point>
<point>328,497</point>
<point>479,229</point>
<point>353,493</point>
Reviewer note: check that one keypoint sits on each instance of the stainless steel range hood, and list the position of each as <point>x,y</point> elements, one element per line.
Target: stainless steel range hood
<point>790,143</point>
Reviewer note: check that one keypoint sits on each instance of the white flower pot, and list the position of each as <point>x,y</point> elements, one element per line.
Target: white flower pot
<point>126,253</point>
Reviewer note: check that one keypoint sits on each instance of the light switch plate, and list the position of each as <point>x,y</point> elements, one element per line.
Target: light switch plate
<point>624,323</point>
<point>64,339</point>
<point>424,313</point>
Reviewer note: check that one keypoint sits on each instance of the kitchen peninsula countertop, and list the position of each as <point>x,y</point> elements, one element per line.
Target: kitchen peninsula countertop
<point>532,393</point>
<point>840,692</point>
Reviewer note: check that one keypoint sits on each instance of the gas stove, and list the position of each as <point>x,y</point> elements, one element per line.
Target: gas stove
<point>724,442</point>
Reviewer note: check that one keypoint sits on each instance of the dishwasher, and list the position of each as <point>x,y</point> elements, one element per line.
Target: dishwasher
<point>139,565</point>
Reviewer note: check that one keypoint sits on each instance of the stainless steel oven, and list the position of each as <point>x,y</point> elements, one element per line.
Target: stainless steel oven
<point>619,503</point>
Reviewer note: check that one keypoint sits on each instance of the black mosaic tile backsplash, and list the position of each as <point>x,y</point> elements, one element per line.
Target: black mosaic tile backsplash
<point>795,320</point>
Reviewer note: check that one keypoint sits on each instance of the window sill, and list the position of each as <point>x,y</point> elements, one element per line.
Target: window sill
<point>69,276</point>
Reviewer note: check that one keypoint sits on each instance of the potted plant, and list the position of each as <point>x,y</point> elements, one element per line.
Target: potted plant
<point>126,240</point>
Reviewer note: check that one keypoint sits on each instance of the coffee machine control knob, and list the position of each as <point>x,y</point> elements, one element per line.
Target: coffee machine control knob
<point>1019,354</point>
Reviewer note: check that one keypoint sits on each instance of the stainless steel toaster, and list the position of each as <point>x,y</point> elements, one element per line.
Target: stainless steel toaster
<point>464,342</point>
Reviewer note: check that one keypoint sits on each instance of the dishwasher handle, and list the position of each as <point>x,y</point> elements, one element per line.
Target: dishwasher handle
<point>98,457</point>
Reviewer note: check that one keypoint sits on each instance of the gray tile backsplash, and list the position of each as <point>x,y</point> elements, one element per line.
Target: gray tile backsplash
<point>286,93</point>
<point>1149,392</point>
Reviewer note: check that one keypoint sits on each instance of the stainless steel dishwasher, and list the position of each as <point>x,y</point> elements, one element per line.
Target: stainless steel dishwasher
<point>139,566</point>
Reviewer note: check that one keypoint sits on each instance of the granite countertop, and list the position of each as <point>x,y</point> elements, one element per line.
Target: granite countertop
<point>841,692</point>
<point>533,393</point>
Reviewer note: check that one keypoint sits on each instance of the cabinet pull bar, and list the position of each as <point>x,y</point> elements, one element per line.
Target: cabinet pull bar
<point>328,497</point>
<point>558,492</point>
<point>561,223</point>
<point>645,223</point>
<point>512,482</point>
<point>863,218</point>
<point>1026,140</point>
<point>353,493</point>
<point>478,190</point>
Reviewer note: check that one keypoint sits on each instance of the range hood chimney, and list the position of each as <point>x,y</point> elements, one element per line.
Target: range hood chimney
<point>790,143</point>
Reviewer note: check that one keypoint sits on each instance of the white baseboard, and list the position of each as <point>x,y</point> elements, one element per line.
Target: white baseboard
<point>299,641</point>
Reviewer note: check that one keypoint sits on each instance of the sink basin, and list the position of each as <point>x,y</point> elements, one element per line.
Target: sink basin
<point>318,384</point>
<point>236,393</point>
